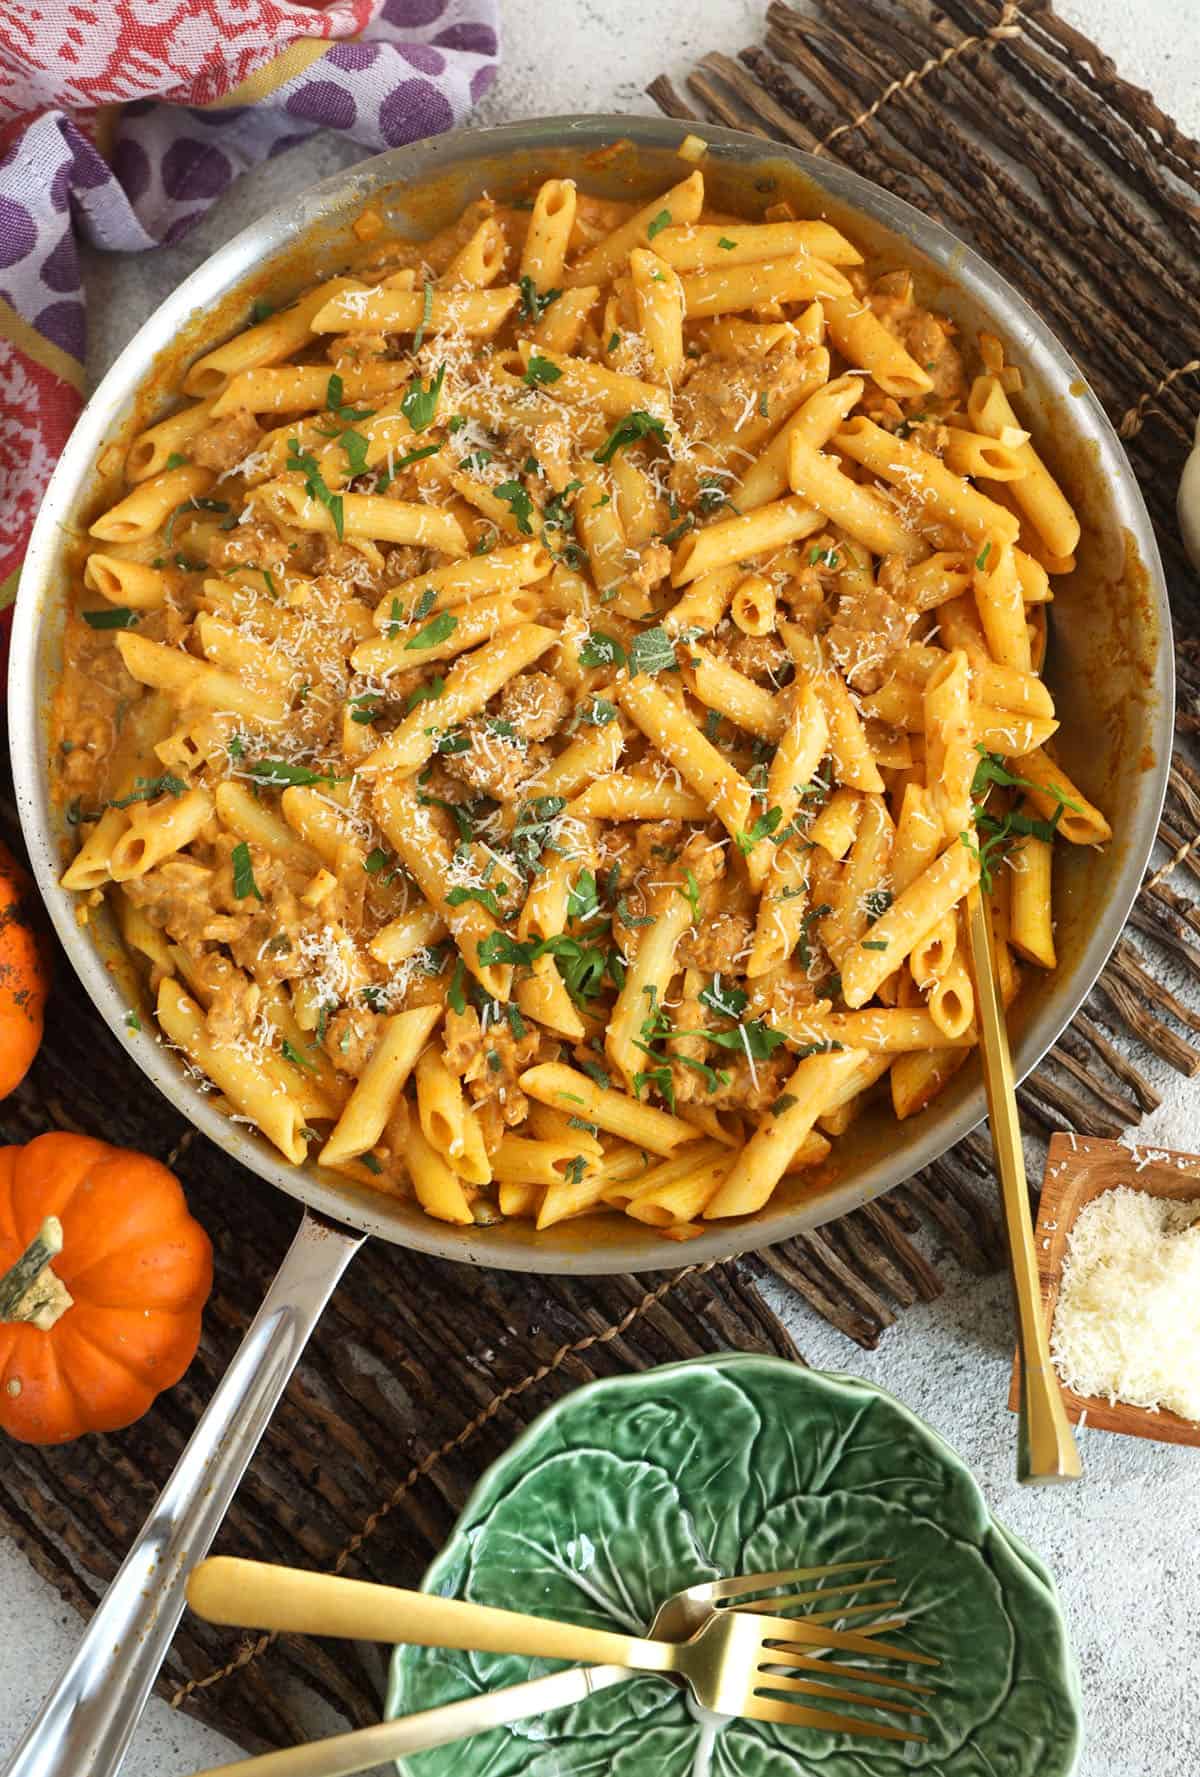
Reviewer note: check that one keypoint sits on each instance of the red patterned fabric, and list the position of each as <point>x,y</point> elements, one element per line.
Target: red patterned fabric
<point>385,72</point>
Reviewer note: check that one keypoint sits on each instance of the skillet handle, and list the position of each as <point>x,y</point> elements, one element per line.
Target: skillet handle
<point>86,1723</point>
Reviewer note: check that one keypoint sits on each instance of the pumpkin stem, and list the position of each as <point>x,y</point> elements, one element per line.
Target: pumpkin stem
<point>30,1291</point>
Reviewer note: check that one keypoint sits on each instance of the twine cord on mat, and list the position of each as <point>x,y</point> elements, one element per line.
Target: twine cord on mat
<point>1135,418</point>
<point>463,1436</point>
<point>1007,26</point>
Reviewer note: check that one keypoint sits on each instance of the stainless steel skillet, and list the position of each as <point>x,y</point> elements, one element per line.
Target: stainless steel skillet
<point>1111,671</point>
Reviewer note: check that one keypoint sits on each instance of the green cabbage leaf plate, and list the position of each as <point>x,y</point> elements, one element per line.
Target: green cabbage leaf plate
<point>633,1487</point>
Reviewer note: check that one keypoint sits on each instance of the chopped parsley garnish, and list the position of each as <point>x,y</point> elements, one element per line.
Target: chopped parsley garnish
<point>754,1039</point>
<point>314,484</point>
<point>438,630</point>
<point>426,316</point>
<point>420,403</point>
<point>276,773</point>
<point>761,828</point>
<point>724,1000</point>
<point>726,243</point>
<point>533,306</point>
<point>406,462</point>
<point>427,693</point>
<point>997,834</point>
<point>657,224</point>
<point>635,425</point>
<point>541,370</point>
<point>518,502</point>
<point>335,391</point>
<point>375,861</point>
<point>292,1054</point>
<point>691,894</point>
<point>614,340</point>
<point>355,446</point>
<point>243,872</point>
<point>823,557</point>
<point>784,1102</point>
<point>132,1021</point>
<point>515,1021</point>
<point>236,747</point>
<point>764,404</point>
<point>119,617</point>
<point>456,999</point>
<point>596,1074</point>
<point>583,902</point>
<point>365,707</point>
<point>486,897</point>
<point>803,949</point>
<point>177,460</point>
<point>981,558</point>
<point>260,311</point>
<point>575,1169</point>
<point>873,944</point>
<point>475,460</point>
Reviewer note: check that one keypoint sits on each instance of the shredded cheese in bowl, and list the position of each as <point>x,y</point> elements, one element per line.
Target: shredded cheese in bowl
<point>1127,1324</point>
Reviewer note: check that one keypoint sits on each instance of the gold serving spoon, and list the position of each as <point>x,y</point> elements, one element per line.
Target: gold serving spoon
<point>1046,1450</point>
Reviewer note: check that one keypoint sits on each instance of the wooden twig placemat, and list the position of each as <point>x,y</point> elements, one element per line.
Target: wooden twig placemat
<point>421,1372</point>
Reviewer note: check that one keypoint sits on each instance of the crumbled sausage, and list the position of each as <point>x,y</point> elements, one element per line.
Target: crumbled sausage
<point>535,705</point>
<point>223,444</point>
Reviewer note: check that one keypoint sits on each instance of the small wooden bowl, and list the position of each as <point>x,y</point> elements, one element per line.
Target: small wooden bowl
<point>1077,1170</point>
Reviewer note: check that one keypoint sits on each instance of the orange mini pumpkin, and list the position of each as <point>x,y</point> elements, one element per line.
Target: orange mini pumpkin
<point>24,974</point>
<point>103,1274</point>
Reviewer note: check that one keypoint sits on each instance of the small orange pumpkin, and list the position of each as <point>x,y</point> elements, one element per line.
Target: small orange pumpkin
<point>103,1274</point>
<point>24,974</point>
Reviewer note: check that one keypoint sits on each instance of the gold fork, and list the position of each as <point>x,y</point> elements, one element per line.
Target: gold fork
<point>1046,1451</point>
<point>347,1755</point>
<point>737,1663</point>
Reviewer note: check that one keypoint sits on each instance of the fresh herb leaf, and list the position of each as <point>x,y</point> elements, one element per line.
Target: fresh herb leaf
<point>876,903</point>
<point>292,1054</point>
<point>602,650</point>
<point>177,460</point>
<point>438,630</point>
<point>420,403</point>
<point>515,1021</point>
<point>375,861</point>
<point>658,223</point>
<point>652,652</point>
<point>982,557</point>
<point>456,999</point>
<point>314,484</point>
<point>723,999</point>
<point>518,502</point>
<point>583,903</point>
<point>761,828</point>
<point>540,370</point>
<point>635,425</point>
<point>784,1102</point>
<point>355,446</point>
<point>347,416</point>
<point>873,944</point>
<point>691,894</point>
<point>365,707</point>
<point>726,243</point>
<point>754,1039</point>
<point>119,617</point>
<point>260,311</point>
<point>486,897</point>
<point>426,316</point>
<point>533,306</point>
<point>803,949</point>
<point>427,693</point>
<point>596,1074</point>
<point>243,872</point>
<point>575,1169</point>
<point>281,773</point>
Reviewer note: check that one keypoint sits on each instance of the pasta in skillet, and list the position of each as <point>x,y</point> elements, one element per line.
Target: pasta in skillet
<point>539,709</point>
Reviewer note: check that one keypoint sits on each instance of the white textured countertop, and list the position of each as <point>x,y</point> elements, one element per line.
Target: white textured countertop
<point>1121,1545</point>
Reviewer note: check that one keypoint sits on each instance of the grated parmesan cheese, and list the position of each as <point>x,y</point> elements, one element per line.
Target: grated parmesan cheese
<point>1127,1325</point>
